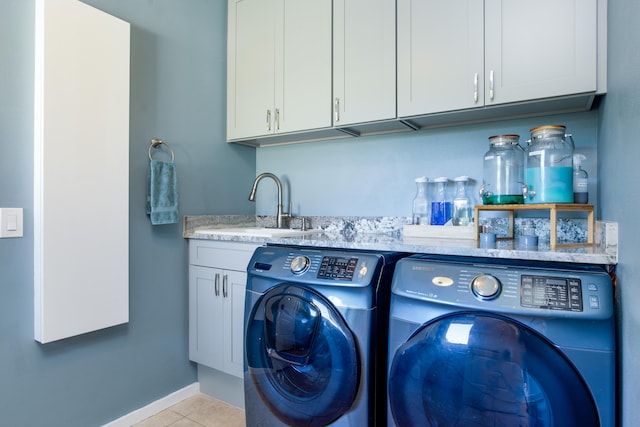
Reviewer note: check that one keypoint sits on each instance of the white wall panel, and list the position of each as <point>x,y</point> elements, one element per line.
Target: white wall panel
<point>81,171</point>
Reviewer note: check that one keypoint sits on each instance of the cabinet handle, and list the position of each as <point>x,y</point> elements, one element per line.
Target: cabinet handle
<point>277,119</point>
<point>216,286</point>
<point>225,286</point>
<point>475,88</point>
<point>491,85</point>
<point>269,120</point>
<point>336,109</point>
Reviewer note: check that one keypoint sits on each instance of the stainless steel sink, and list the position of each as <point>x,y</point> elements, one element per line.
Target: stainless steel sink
<point>256,232</point>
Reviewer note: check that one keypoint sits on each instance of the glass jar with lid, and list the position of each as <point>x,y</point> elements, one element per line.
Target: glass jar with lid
<point>549,165</point>
<point>503,171</point>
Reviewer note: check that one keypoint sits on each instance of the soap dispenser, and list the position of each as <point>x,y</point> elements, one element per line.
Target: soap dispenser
<point>580,180</point>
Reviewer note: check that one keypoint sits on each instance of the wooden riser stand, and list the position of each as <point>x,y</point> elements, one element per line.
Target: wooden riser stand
<point>553,209</point>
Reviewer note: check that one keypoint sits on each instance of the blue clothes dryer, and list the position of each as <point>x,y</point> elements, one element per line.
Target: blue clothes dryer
<point>313,318</point>
<point>477,342</point>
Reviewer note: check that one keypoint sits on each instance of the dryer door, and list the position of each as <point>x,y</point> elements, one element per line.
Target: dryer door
<point>301,356</point>
<point>478,369</point>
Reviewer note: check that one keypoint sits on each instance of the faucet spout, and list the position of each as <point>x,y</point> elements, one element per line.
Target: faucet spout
<point>252,196</point>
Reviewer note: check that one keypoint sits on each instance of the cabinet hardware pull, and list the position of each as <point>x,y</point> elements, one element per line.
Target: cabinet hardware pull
<point>225,286</point>
<point>216,286</point>
<point>269,120</point>
<point>475,88</point>
<point>336,109</point>
<point>491,85</point>
<point>277,119</point>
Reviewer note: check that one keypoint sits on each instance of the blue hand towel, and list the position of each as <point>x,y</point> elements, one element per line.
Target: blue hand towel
<point>162,198</point>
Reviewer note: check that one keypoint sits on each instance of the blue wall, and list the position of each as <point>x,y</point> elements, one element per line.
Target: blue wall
<point>178,69</point>
<point>619,154</point>
<point>375,175</point>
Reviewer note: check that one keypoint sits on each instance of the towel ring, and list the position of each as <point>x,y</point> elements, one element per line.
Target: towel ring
<point>156,143</point>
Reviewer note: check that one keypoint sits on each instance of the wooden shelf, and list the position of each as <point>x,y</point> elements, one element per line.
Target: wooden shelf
<point>553,209</point>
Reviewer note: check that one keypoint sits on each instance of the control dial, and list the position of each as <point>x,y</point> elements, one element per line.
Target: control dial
<point>485,287</point>
<point>300,264</point>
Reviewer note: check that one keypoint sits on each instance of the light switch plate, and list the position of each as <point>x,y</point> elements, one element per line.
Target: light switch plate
<point>10,222</point>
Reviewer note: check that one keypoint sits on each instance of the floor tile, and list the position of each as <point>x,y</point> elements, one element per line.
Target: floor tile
<point>193,404</point>
<point>197,411</point>
<point>161,419</point>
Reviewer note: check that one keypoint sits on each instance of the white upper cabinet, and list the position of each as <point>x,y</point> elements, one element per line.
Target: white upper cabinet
<point>301,70</point>
<point>440,55</point>
<point>279,67</point>
<point>539,49</point>
<point>462,54</point>
<point>364,61</point>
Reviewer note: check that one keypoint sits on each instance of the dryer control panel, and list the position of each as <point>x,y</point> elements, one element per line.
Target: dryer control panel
<point>559,293</point>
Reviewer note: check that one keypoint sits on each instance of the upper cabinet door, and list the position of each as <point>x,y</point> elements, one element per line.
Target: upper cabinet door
<point>279,66</point>
<point>539,49</point>
<point>303,66</point>
<point>364,58</point>
<point>440,56</point>
<point>250,67</point>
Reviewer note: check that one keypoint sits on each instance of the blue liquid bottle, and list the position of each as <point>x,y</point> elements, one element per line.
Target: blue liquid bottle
<point>440,207</point>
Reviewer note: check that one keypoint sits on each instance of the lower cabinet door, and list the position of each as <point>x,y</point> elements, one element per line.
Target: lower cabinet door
<point>216,318</point>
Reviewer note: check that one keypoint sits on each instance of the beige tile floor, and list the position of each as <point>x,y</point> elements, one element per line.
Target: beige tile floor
<point>197,411</point>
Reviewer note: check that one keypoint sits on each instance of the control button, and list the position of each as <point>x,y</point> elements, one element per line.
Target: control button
<point>592,287</point>
<point>300,264</point>
<point>485,286</point>
<point>594,302</point>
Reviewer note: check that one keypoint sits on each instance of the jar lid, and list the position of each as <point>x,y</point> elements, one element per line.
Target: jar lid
<point>462,178</point>
<point>441,179</point>
<point>508,138</point>
<point>422,179</point>
<point>551,129</point>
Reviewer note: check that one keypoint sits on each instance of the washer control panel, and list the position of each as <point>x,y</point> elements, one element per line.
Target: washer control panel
<point>339,268</point>
<point>509,288</point>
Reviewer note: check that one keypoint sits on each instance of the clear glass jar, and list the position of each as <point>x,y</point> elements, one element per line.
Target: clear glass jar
<point>461,205</point>
<point>503,171</point>
<point>420,205</point>
<point>549,165</point>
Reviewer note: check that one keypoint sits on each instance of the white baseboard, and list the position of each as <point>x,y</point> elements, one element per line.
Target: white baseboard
<point>155,407</point>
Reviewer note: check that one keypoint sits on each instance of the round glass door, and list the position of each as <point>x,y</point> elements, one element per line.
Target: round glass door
<point>480,370</point>
<point>302,357</point>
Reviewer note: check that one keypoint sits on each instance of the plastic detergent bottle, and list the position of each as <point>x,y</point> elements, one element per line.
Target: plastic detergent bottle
<point>580,180</point>
<point>440,207</point>
<point>420,205</point>
<point>461,205</point>
<point>549,166</point>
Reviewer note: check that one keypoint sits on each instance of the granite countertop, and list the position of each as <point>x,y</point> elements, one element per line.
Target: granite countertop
<point>385,234</point>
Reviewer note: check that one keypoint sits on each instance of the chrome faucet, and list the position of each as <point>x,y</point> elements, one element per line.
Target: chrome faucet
<point>281,215</point>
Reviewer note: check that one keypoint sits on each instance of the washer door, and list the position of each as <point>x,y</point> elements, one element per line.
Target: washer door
<point>302,357</point>
<point>472,370</point>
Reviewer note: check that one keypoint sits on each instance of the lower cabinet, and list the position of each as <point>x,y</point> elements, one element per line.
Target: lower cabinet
<point>217,281</point>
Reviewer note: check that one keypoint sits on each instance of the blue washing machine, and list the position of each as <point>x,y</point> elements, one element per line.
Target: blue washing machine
<point>483,342</point>
<point>313,318</point>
